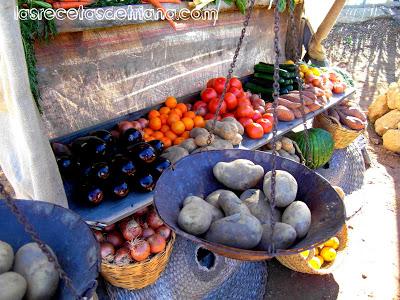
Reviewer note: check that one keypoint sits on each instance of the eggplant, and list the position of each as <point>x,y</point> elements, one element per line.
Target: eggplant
<point>123,166</point>
<point>157,145</point>
<point>66,165</point>
<point>131,136</point>
<point>105,135</point>
<point>97,172</point>
<point>89,148</point>
<point>159,166</point>
<point>60,149</point>
<point>144,182</point>
<point>119,187</point>
<point>91,194</point>
<point>142,153</point>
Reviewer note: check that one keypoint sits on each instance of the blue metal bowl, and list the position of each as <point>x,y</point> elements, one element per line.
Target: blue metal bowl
<point>193,175</point>
<point>66,233</point>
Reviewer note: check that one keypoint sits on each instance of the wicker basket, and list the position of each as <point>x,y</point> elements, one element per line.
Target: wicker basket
<point>138,275</point>
<point>300,264</point>
<point>342,136</point>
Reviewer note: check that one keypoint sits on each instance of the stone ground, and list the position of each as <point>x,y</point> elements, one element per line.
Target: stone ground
<point>370,51</point>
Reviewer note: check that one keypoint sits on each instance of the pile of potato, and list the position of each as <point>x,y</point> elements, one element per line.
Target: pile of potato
<point>243,219</point>
<point>227,133</point>
<point>32,275</point>
<point>285,148</point>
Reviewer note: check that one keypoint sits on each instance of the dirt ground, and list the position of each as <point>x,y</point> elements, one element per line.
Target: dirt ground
<point>370,51</point>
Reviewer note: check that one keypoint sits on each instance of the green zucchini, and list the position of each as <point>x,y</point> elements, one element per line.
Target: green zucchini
<point>269,77</point>
<point>287,67</point>
<point>260,68</point>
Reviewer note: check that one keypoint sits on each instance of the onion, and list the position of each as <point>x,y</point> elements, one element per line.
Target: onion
<point>164,231</point>
<point>248,94</point>
<point>137,125</point>
<point>143,122</point>
<point>115,238</point>
<point>130,229</point>
<point>189,106</point>
<point>147,232</point>
<point>107,251</point>
<point>157,243</point>
<point>140,250</point>
<point>254,97</point>
<point>122,256</point>
<point>141,212</point>
<point>99,236</point>
<point>201,111</point>
<point>109,228</point>
<point>124,126</point>
<point>261,109</point>
<point>154,220</point>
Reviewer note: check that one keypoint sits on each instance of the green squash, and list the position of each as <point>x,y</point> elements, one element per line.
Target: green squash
<point>321,146</point>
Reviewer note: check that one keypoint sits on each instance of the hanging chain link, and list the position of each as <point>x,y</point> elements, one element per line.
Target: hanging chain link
<point>35,237</point>
<point>297,58</point>
<point>232,67</point>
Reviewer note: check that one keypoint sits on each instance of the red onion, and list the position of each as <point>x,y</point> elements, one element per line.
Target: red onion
<point>201,111</point>
<point>261,109</point>
<point>154,220</point>
<point>107,251</point>
<point>147,232</point>
<point>122,256</point>
<point>98,235</point>
<point>137,125</point>
<point>143,122</point>
<point>164,231</point>
<point>115,134</point>
<point>141,212</point>
<point>157,243</point>
<point>115,238</point>
<point>109,228</point>
<point>124,126</point>
<point>140,250</point>
<point>248,94</point>
<point>130,229</point>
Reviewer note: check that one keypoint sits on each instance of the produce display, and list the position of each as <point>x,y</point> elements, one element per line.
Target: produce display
<point>323,255</point>
<point>348,114</point>
<point>384,113</point>
<point>134,239</point>
<point>285,148</point>
<point>320,148</point>
<point>26,275</point>
<point>240,216</point>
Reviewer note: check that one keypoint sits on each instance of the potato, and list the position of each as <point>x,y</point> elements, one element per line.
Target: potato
<point>12,286</point>
<point>213,197</point>
<point>231,204</point>
<point>285,154</point>
<point>278,145</point>
<point>285,188</point>
<point>202,139</point>
<point>194,219</point>
<point>6,257</point>
<point>215,212</point>
<point>259,207</point>
<point>242,231</point>
<point>40,274</point>
<point>175,153</point>
<point>240,174</point>
<point>237,139</point>
<point>239,126</point>
<point>283,236</point>
<point>189,145</point>
<point>287,145</point>
<point>202,149</point>
<point>226,130</point>
<point>298,215</point>
<point>198,131</point>
<point>219,143</point>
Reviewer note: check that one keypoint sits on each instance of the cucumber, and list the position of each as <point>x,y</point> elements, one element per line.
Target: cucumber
<point>260,68</point>
<point>269,77</point>
<point>289,87</point>
<point>287,67</point>
<point>257,89</point>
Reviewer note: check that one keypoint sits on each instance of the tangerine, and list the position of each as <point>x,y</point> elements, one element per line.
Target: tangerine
<point>169,134</point>
<point>171,102</point>
<point>199,122</point>
<point>153,114</point>
<point>164,128</point>
<point>179,140</point>
<point>148,131</point>
<point>158,135</point>
<point>189,123</point>
<point>182,107</point>
<point>177,111</point>
<point>186,134</point>
<point>178,127</point>
<point>189,114</point>
<point>155,123</point>
<point>166,141</point>
<point>164,110</point>
<point>172,118</point>
<point>164,118</point>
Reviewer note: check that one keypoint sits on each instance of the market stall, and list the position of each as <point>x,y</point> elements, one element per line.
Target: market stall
<point>149,171</point>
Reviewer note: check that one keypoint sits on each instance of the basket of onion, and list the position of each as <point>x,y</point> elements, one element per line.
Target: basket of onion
<point>136,250</point>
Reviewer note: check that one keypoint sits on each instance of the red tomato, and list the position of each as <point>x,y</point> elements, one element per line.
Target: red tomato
<point>266,125</point>
<point>210,83</point>
<point>235,91</point>
<point>235,82</point>
<point>226,115</point>
<point>231,101</point>
<point>316,82</point>
<point>257,115</point>
<point>269,117</point>
<point>219,84</point>
<point>338,88</point>
<point>211,116</point>
<point>199,104</point>
<point>244,111</point>
<point>254,131</point>
<point>243,101</point>
<point>245,121</point>
<point>208,94</point>
<point>213,104</point>
<point>333,77</point>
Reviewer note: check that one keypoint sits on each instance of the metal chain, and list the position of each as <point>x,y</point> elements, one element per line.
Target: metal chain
<point>35,237</point>
<point>275,96</point>
<point>299,80</point>
<point>230,71</point>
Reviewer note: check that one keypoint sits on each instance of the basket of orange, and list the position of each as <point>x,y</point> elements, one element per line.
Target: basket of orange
<point>172,123</point>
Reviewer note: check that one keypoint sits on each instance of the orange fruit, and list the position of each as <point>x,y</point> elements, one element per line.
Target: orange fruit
<point>189,114</point>
<point>179,140</point>
<point>164,118</point>
<point>177,111</point>
<point>164,128</point>
<point>171,102</point>
<point>199,121</point>
<point>178,127</point>
<point>155,123</point>
<point>172,118</point>
<point>150,139</point>
<point>153,114</point>
<point>189,123</point>
<point>182,107</point>
<point>164,110</point>
<point>146,136</point>
<point>158,135</point>
<point>166,141</point>
<point>148,131</point>
<point>169,134</point>
<point>186,134</point>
